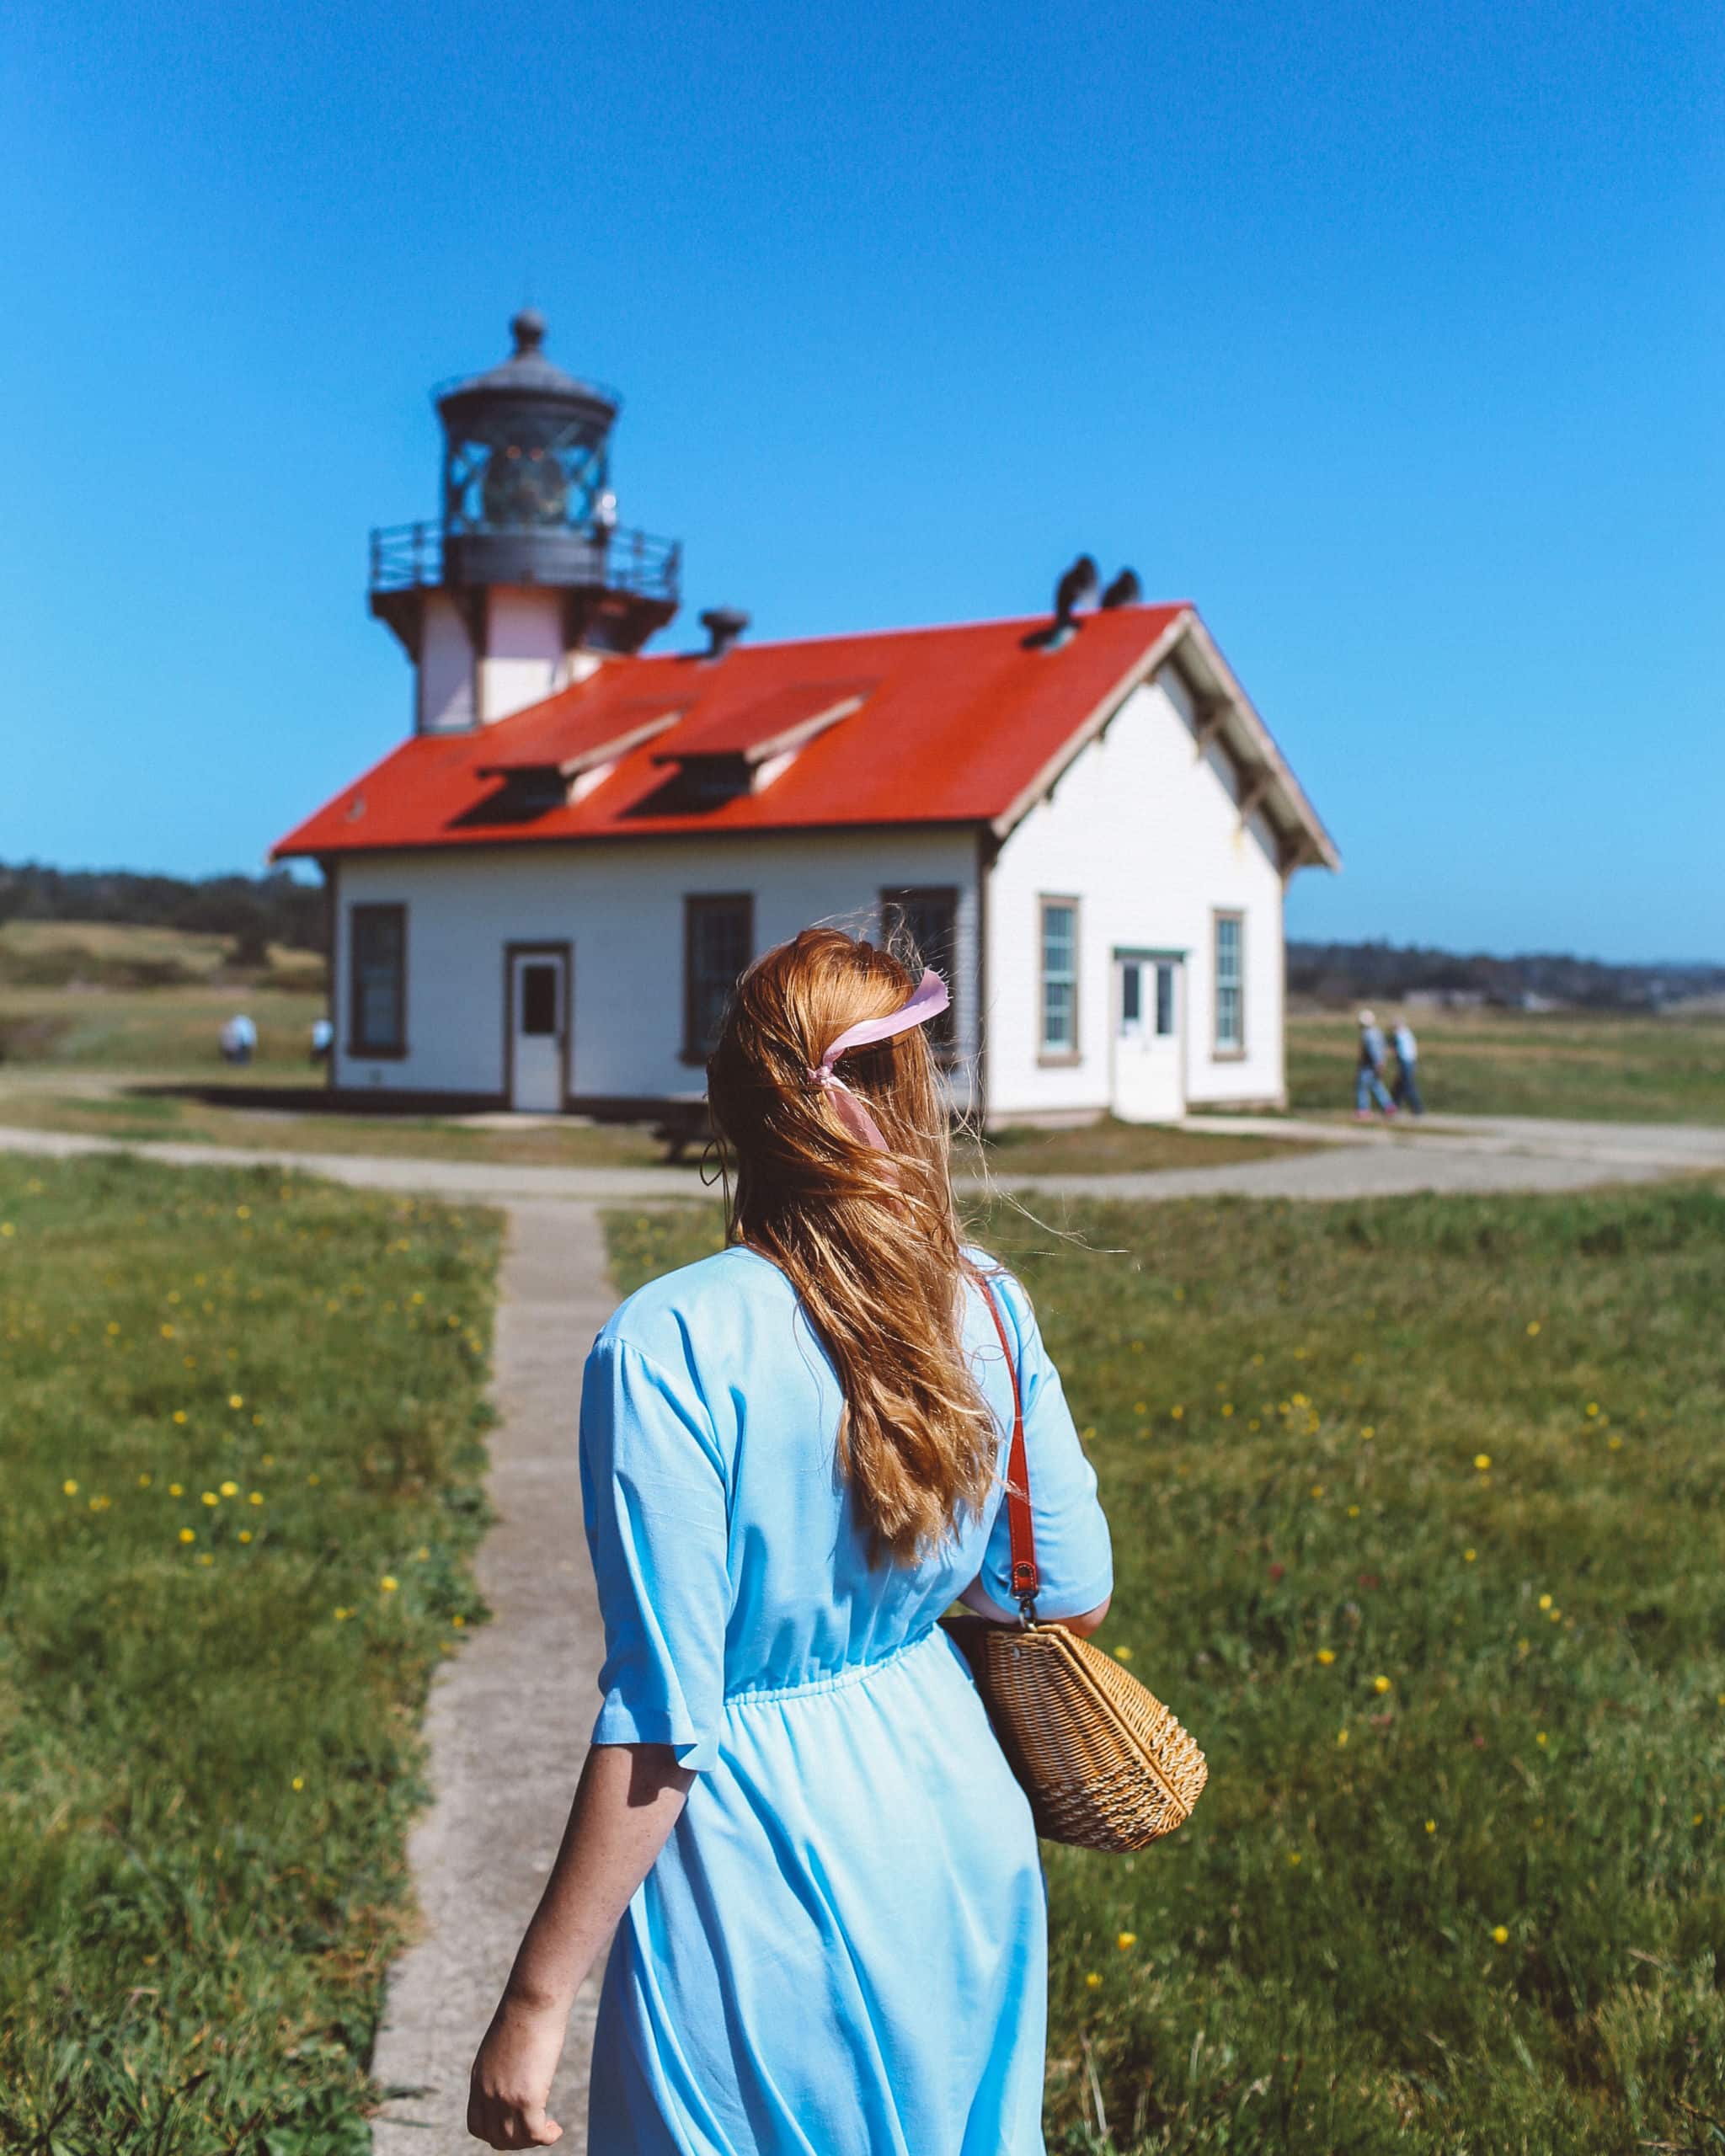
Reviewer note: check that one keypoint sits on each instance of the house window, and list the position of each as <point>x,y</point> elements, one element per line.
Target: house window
<point>926,921</point>
<point>377,1011</point>
<point>1060,979</point>
<point>1231,984</point>
<point>718,941</point>
<point>1165,1000</point>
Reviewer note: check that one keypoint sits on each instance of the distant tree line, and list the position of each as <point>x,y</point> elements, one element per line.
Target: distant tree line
<point>1348,972</point>
<point>255,910</point>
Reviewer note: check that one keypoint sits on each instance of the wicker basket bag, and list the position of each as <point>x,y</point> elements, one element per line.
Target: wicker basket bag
<point>1104,1764</point>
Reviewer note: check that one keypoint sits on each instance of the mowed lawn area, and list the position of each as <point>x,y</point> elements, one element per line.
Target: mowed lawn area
<point>1578,1064</point>
<point>241,1426</point>
<point>1417,1520</point>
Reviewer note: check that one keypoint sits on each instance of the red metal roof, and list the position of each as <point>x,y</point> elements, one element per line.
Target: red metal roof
<point>958,725</point>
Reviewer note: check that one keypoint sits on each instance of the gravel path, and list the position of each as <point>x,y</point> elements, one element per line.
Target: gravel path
<point>509,1715</point>
<point>1452,1153</point>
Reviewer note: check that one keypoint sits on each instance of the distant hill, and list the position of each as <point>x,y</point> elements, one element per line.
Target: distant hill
<point>1339,973</point>
<point>254,911</point>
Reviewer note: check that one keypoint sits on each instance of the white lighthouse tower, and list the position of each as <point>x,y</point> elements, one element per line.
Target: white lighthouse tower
<point>526,581</point>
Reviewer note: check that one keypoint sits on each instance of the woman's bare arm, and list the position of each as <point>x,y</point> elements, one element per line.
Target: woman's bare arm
<point>977,1597</point>
<point>625,1806</point>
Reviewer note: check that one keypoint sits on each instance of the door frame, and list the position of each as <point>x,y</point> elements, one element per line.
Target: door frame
<point>565,950</point>
<point>1149,954</point>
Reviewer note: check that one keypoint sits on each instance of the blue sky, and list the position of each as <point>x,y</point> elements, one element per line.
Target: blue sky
<point>1390,336</point>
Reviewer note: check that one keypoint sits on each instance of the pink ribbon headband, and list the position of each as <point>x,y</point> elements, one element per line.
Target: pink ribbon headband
<point>928,1000</point>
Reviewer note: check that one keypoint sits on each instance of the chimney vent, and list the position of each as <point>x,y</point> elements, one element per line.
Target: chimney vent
<point>723,625</point>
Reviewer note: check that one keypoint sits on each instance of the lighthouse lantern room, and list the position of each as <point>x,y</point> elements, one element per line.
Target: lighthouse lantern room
<point>527,579</point>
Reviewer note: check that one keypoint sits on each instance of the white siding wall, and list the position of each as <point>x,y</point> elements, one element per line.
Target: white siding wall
<point>524,661</point>
<point>1146,835</point>
<point>621,907</point>
<point>444,675</point>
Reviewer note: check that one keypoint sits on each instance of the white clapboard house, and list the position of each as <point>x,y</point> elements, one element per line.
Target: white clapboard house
<point>541,899</point>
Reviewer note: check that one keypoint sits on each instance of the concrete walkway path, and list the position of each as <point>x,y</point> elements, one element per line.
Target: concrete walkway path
<point>1449,1153</point>
<point>509,1716</point>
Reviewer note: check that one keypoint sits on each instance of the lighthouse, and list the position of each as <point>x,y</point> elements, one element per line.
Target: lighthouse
<point>524,581</point>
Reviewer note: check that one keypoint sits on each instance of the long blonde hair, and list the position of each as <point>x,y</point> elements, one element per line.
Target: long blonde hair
<point>869,1240</point>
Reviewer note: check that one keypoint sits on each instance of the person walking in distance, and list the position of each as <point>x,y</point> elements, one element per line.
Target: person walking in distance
<point>830,1915</point>
<point>1405,1092</point>
<point>1368,1076</point>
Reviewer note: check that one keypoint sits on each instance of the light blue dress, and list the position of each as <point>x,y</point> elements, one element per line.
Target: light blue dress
<point>841,1949</point>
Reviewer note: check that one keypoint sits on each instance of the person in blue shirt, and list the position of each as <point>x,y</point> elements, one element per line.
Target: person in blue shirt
<point>1369,1074</point>
<point>829,1914</point>
<point>1405,1092</point>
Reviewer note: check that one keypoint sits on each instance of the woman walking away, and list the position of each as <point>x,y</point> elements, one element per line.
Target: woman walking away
<point>1369,1072</point>
<point>830,1916</point>
<point>1405,1092</point>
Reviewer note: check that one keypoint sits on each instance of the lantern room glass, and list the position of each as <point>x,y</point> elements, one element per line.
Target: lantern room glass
<point>525,469</point>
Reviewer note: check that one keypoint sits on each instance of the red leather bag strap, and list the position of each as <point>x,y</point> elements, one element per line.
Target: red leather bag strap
<point>1020,1524</point>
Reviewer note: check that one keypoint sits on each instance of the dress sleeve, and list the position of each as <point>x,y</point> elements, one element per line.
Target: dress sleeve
<point>653,1493</point>
<point>1074,1556</point>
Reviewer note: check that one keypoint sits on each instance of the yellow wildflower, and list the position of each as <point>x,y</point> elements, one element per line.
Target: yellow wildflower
<point>1468,1556</point>
<point>245,1534</point>
<point>1341,1737</point>
<point>188,1534</point>
<point>1327,1655</point>
<point>1093,1982</point>
<point>69,1487</point>
<point>1381,1683</point>
<point>1126,1940</point>
<point>1533,1328</point>
<point>1500,1933</point>
<point>299,1781</point>
<point>389,1583</point>
<point>1545,1602</point>
<point>1123,1654</point>
<point>255,1498</point>
<point>1482,1461</point>
<point>1541,1738</point>
<point>230,1489</point>
<point>210,1497</point>
<point>179,1414</point>
<point>236,1399</point>
<point>1431,1826</point>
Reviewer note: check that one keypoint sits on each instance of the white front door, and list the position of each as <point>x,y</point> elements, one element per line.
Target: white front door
<point>539,1027</point>
<point>1149,1049</point>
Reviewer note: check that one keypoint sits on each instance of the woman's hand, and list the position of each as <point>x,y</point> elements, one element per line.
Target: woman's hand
<point>629,1801</point>
<point>511,2082</point>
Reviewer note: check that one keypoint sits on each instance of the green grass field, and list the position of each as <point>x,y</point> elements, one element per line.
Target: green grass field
<point>1559,1063</point>
<point>240,1423</point>
<point>1418,1527</point>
